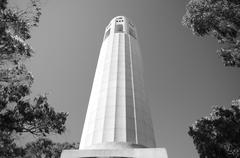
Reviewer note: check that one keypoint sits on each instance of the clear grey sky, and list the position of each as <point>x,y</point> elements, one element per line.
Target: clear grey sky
<point>183,75</point>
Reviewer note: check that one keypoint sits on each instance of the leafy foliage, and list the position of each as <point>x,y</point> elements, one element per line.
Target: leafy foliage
<point>18,113</point>
<point>8,148</point>
<point>46,148</point>
<point>218,135</point>
<point>37,118</point>
<point>220,19</point>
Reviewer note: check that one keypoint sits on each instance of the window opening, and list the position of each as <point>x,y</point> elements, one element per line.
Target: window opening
<point>118,28</point>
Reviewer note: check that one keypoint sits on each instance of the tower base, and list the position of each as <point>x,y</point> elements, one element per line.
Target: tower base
<point>116,153</point>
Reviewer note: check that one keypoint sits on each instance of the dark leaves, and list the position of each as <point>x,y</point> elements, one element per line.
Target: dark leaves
<point>3,4</point>
<point>46,148</point>
<point>18,113</point>
<point>37,118</point>
<point>218,135</point>
<point>220,19</point>
<point>8,148</point>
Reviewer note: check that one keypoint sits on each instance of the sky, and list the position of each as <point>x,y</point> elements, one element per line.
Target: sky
<point>183,75</point>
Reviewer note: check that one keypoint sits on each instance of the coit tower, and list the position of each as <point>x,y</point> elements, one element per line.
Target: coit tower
<point>118,120</point>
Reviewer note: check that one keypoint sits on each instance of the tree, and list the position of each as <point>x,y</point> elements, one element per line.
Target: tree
<point>45,148</point>
<point>218,135</point>
<point>18,113</point>
<point>220,19</point>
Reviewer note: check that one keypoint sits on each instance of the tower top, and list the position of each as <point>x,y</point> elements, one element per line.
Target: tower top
<point>120,24</point>
<point>122,19</point>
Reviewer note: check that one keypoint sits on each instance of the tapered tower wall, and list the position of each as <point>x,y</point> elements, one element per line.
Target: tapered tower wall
<point>118,114</point>
<point>118,121</point>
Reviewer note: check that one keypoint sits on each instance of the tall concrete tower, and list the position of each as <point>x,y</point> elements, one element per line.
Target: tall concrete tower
<point>118,121</point>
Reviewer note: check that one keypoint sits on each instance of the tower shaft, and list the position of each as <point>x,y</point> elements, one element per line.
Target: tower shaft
<point>118,115</point>
<point>118,122</point>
